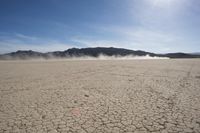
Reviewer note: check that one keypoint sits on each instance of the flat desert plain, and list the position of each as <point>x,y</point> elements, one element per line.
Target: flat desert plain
<point>86,96</point>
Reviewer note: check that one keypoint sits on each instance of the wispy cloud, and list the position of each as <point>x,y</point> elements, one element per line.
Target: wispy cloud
<point>24,42</point>
<point>140,37</point>
<point>158,26</point>
<point>22,36</point>
<point>96,43</point>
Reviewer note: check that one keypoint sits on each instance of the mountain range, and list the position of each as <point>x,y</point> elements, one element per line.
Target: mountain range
<point>90,52</point>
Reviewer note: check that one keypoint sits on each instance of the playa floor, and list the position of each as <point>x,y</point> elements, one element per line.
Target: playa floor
<point>86,96</point>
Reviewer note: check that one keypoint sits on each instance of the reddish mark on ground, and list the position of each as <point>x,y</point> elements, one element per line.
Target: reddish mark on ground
<point>76,112</point>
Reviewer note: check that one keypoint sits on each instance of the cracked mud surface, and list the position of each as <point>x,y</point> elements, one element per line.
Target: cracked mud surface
<point>100,96</point>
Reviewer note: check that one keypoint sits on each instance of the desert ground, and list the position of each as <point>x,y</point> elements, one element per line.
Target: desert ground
<point>103,96</point>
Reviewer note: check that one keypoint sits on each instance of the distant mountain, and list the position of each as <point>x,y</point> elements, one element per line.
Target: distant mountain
<point>95,52</point>
<point>181,55</point>
<point>92,52</point>
<point>197,53</point>
<point>22,55</point>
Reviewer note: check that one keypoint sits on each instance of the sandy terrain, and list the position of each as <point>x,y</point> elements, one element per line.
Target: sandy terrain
<point>100,96</point>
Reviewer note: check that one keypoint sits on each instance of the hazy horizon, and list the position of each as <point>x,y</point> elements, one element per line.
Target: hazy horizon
<point>158,26</point>
<point>91,47</point>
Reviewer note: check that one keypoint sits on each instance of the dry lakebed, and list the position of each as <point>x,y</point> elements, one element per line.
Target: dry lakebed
<point>100,96</point>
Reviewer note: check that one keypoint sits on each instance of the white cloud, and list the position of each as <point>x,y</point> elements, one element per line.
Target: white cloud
<point>22,36</point>
<point>24,42</point>
<point>143,38</point>
<point>45,47</point>
<point>96,43</point>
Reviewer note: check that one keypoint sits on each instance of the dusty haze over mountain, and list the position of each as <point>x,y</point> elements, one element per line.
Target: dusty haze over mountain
<point>94,53</point>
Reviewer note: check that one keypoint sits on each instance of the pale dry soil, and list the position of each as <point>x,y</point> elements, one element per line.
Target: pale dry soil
<point>100,96</point>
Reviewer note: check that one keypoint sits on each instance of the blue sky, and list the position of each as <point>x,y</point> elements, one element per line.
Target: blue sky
<point>159,26</point>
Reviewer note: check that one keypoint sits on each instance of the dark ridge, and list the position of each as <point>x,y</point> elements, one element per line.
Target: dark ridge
<point>20,54</point>
<point>92,52</point>
<point>181,55</point>
<point>95,52</point>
